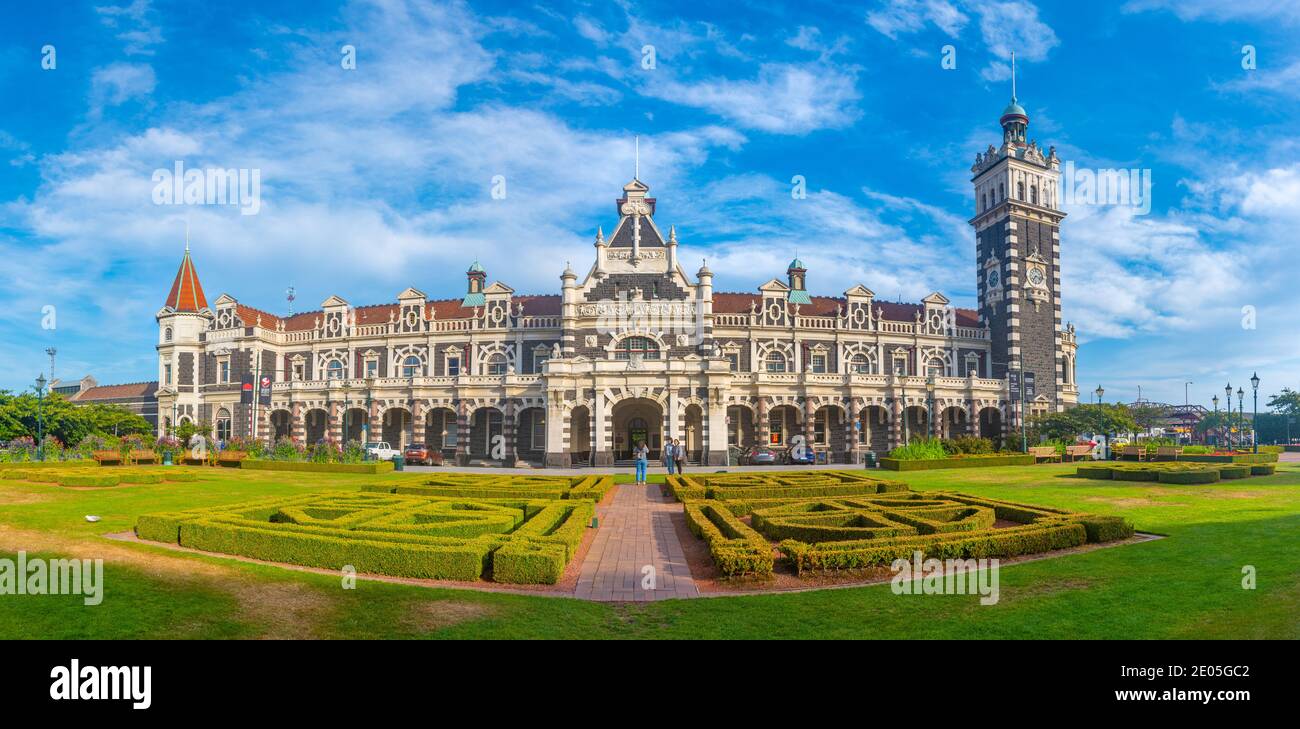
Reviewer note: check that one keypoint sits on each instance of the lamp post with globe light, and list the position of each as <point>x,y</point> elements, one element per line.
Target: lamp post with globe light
<point>1254,434</point>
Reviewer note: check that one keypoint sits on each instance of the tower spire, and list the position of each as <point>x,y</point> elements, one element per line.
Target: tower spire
<point>1013,75</point>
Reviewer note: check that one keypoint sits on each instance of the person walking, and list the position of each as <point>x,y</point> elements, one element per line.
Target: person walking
<point>668,457</point>
<point>642,454</point>
<point>679,456</point>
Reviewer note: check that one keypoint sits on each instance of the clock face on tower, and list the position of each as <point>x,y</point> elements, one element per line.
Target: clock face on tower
<point>1036,277</point>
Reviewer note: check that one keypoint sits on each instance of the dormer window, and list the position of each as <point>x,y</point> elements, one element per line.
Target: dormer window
<point>644,347</point>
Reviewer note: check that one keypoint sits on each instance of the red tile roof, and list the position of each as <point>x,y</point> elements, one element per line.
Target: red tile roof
<point>186,293</point>
<point>117,392</point>
<point>738,303</point>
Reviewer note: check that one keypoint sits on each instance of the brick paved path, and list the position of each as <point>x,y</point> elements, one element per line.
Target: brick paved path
<point>636,529</point>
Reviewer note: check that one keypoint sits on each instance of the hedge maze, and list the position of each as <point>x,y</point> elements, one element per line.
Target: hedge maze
<point>590,488</point>
<point>519,539</point>
<point>1176,472</point>
<point>840,520</point>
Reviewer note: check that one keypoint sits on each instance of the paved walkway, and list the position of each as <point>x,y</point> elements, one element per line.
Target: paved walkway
<point>636,531</point>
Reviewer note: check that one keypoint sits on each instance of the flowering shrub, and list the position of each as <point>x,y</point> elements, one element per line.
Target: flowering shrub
<point>22,448</point>
<point>326,451</point>
<point>168,444</point>
<point>286,449</point>
<point>354,452</point>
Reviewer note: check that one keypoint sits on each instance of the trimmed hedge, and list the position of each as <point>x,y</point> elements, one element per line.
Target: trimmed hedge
<point>587,488</point>
<point>89,480</point>
<point>134,477</point>
<point>1208,475</point>
<point>1100,472</point>
<point>748,486</point>
<point>1263,469</point>
<point>977,461</point>
<point>735,547</point>
<point>876,553</point>
<point>1238,458</point>
<point>373,467</point>
<point>519,540</point>
<point>1234,471</point>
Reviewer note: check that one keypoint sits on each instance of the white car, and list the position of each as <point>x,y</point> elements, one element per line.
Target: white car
<point>381,451</point>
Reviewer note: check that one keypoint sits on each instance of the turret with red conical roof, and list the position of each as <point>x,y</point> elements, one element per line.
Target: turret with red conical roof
<point>186,293</point>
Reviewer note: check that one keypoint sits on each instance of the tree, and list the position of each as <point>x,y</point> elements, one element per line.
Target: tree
<point>1097,419</point>
<point>1147,416</point>
<point>57,416</point>
<point>1287,401</point>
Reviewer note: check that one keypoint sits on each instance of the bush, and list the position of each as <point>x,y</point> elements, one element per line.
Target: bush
<point>1234,471</point>
<point>968,445</point>
<point>1263,469</point>
<point>1106,528</point>
<point>920,449</point>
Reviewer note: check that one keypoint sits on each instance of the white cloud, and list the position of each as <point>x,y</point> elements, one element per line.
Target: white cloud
<point>1005,26</point>
<point>119,83</point>
<point>896,17</point>
<point>134,24</point>
<point>1243,10</point>
<point>783,98</point>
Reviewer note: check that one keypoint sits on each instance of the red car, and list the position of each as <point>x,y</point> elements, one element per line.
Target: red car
<point>422,454</point>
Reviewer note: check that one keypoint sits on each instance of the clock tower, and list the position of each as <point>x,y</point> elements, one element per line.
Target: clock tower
<point>1018,260</point>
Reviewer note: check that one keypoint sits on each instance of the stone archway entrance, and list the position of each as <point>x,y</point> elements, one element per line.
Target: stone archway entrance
<point>635,420</point>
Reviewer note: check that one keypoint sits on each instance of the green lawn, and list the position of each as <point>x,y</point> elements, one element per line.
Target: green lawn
<point>1185,586</point>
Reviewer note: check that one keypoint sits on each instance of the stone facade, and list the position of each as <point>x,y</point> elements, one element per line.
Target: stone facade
<point>637,349</point>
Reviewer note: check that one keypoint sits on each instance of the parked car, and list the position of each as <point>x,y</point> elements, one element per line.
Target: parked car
<point>800,456</point>
<point>422,454</point>
<point>381,451</point>
<point>758,456</point>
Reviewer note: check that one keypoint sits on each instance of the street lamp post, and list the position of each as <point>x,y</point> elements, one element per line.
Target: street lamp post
<point>1215,399</point>
<point>1241,411</point>
<point>365,425</point>
<point>1101,393</point>
<point>1254,423</point>
<point>346,407</point>
<point>1227,422</point>
<point>929,404</point>
<point>40,417</point>
<point>907,432</point>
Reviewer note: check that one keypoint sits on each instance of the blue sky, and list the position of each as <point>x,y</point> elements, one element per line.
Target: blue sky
<point>379,177</point>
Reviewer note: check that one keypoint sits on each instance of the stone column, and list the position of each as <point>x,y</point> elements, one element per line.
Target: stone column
<point>558,446</point>
<point>763,426</point>
<point>603,453</point>
<point>715,431</point>
<point>509,432</point>
<point>335,424</point>
<point>297,428</point>
<point>462,434</point>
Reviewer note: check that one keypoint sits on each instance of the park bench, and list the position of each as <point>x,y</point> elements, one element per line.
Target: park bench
<point>1077,453</point>
<point>1137,453</point>
<point>1168,453</point>
<point>106,457</point>
<point>142,456</point>
<point>231,458</point>
<point>1044,454</point>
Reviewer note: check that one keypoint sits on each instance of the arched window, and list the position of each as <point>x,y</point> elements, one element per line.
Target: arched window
<point>167,334</point>
<point>775,362</point>
<point>1002,191</point>
<point>411,366</point>
<point>859,364</point>
<point>1033,194</point>
<point>984,201</point>
<point>644,346</point>
<point>1020,191</point>
<point>935,367</point>
<point>223,425</point>
<point>496,364</point>
<point>334,370</point>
